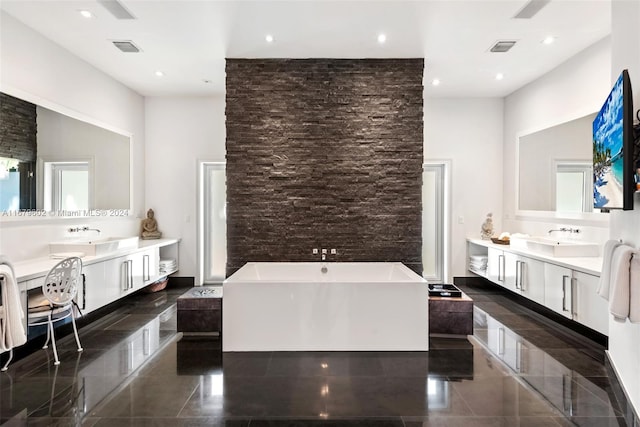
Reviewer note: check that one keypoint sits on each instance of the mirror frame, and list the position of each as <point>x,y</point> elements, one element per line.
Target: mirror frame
<point>583,218</point>
<point>60,109</point>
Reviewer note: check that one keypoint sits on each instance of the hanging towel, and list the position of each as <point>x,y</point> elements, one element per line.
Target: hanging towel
<point>605,276</point>
<point>619,288</point>
<point>12,329</point>
<point>634,288</point>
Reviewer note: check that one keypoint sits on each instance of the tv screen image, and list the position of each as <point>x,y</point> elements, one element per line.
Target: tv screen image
<point>612,140</point>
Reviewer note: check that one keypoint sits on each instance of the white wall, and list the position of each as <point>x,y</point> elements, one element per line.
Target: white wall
<point>574,89</point>
<point>37,70</point>
<point>180,131</point>
<point>624,338</point>
<point>468,132</point>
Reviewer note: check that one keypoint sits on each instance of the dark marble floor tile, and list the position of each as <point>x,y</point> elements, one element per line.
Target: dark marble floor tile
<point>30,394</point>
<point>131,322</point>
<point>222,396</point>
<point>247,364</point>
<point>343,422</point>
<point>475,421</point>
<point>170,422</point>
<point>569,397</point>
<point>591,422</point>
<point>186,358</point>
<point>310,364</point>
<point>496,308</point>
<point>503,397</point>
<point>440,343</point>
<point>579,361</point>
<point>149,397</point>
<point>519,322</point>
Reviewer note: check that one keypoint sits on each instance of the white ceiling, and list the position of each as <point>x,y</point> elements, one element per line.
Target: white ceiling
<point>189,40</point>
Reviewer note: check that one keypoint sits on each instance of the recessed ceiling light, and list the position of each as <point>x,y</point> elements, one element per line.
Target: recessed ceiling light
<point>159,73</point>
<point>85,13</point>
<point>435,82</point>
<point>269,38</point>
<point>549,40</point>
<point>499,76</point>
<point>382,38</point>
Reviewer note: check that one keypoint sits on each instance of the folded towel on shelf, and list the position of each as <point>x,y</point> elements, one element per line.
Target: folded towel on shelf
<point>619,282</point>
<point>605,276</point>
<point>634,288</point>
<point>12,330</point>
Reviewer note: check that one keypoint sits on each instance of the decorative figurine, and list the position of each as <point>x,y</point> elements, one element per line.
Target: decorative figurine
<point>149,227</point>
<point>487,227</point>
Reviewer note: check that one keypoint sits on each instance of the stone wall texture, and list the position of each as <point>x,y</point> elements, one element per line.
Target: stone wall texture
<point>324,153</point>
<point>17,129</point>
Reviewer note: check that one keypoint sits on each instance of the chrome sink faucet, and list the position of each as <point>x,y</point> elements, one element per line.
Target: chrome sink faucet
<point>570,230</point>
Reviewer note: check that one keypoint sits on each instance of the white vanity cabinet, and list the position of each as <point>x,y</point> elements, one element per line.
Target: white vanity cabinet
<point>558,289</point>
<point>527,276</point>
<point>517,273</point>
<point>566,286</point>
<point>495,265</point>
<point>591,309</point>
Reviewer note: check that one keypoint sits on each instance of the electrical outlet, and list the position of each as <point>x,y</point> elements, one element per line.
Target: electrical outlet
<point>324,252</point>
<point>460,219</point>
<point>333,251</point>
<point>315,251</point>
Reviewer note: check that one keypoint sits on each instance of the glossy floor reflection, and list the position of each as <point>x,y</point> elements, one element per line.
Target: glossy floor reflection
<point>136,370</point>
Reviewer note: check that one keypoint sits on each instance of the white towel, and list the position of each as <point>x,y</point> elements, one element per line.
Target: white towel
<point>12,329</point>
<point>605,275</point>
<point>634,288</point>
<point>619,289</point>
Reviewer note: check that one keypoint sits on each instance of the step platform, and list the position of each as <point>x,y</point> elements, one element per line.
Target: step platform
<point>450,311</point>
<point>200,311</point>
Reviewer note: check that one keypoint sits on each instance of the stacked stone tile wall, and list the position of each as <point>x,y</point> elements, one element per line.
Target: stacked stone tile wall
<point>17,128</point>
<point>324,153</point>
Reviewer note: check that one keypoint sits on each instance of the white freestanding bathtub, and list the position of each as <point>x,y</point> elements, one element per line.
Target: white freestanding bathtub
<point>353,306</point>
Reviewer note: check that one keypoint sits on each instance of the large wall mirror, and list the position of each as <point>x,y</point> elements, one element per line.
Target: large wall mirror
<point>555,168</point>
<point>72,168</point>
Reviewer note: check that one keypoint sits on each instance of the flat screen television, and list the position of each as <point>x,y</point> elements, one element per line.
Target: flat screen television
<point>613,149</point>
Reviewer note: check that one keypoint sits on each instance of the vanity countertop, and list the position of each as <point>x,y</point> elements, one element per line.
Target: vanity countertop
<point>39,267</point>
<point>588,265</point>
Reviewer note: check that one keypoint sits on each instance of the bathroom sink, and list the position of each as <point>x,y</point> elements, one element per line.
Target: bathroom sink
<point>93,247</point>
<point>556,247</point>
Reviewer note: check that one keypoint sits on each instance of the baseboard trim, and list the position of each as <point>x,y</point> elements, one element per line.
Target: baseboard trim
<point>620,394</point>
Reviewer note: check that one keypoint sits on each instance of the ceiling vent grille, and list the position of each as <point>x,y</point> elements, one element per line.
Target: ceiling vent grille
<point>502,46</point>
<point>126,46</point>
<point>117,9</point>
<point>531,9</point>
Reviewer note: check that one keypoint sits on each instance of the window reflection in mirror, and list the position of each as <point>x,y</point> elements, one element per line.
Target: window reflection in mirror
<point>554,168</point>
<point>9,184</point>
<point>66,186</point>
<point>574,187</point>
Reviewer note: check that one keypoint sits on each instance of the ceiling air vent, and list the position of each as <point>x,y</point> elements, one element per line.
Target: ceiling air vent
<point>531,9</point>
<point>117,9</point>
<point>126,46</point>
<point>502,46</point>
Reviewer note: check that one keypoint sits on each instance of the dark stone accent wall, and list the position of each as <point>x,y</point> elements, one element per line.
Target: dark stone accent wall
<point>17,128</point>
<point>324,153</point>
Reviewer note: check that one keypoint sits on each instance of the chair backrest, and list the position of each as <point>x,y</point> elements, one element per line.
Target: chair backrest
<point>61,284</point>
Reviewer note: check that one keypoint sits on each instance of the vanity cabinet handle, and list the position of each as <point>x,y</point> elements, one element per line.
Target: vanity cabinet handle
<point>126,275</point>
<point>522,264</point>
<point>500,341</point>
<point>573,289</point>
<point>145,266</point>
<point>564,293</point>
<point>501,268</point>
<point>130,274</point>
<point>518,275</point>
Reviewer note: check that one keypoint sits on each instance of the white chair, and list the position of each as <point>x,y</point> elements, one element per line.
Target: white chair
<point>59,289</point>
